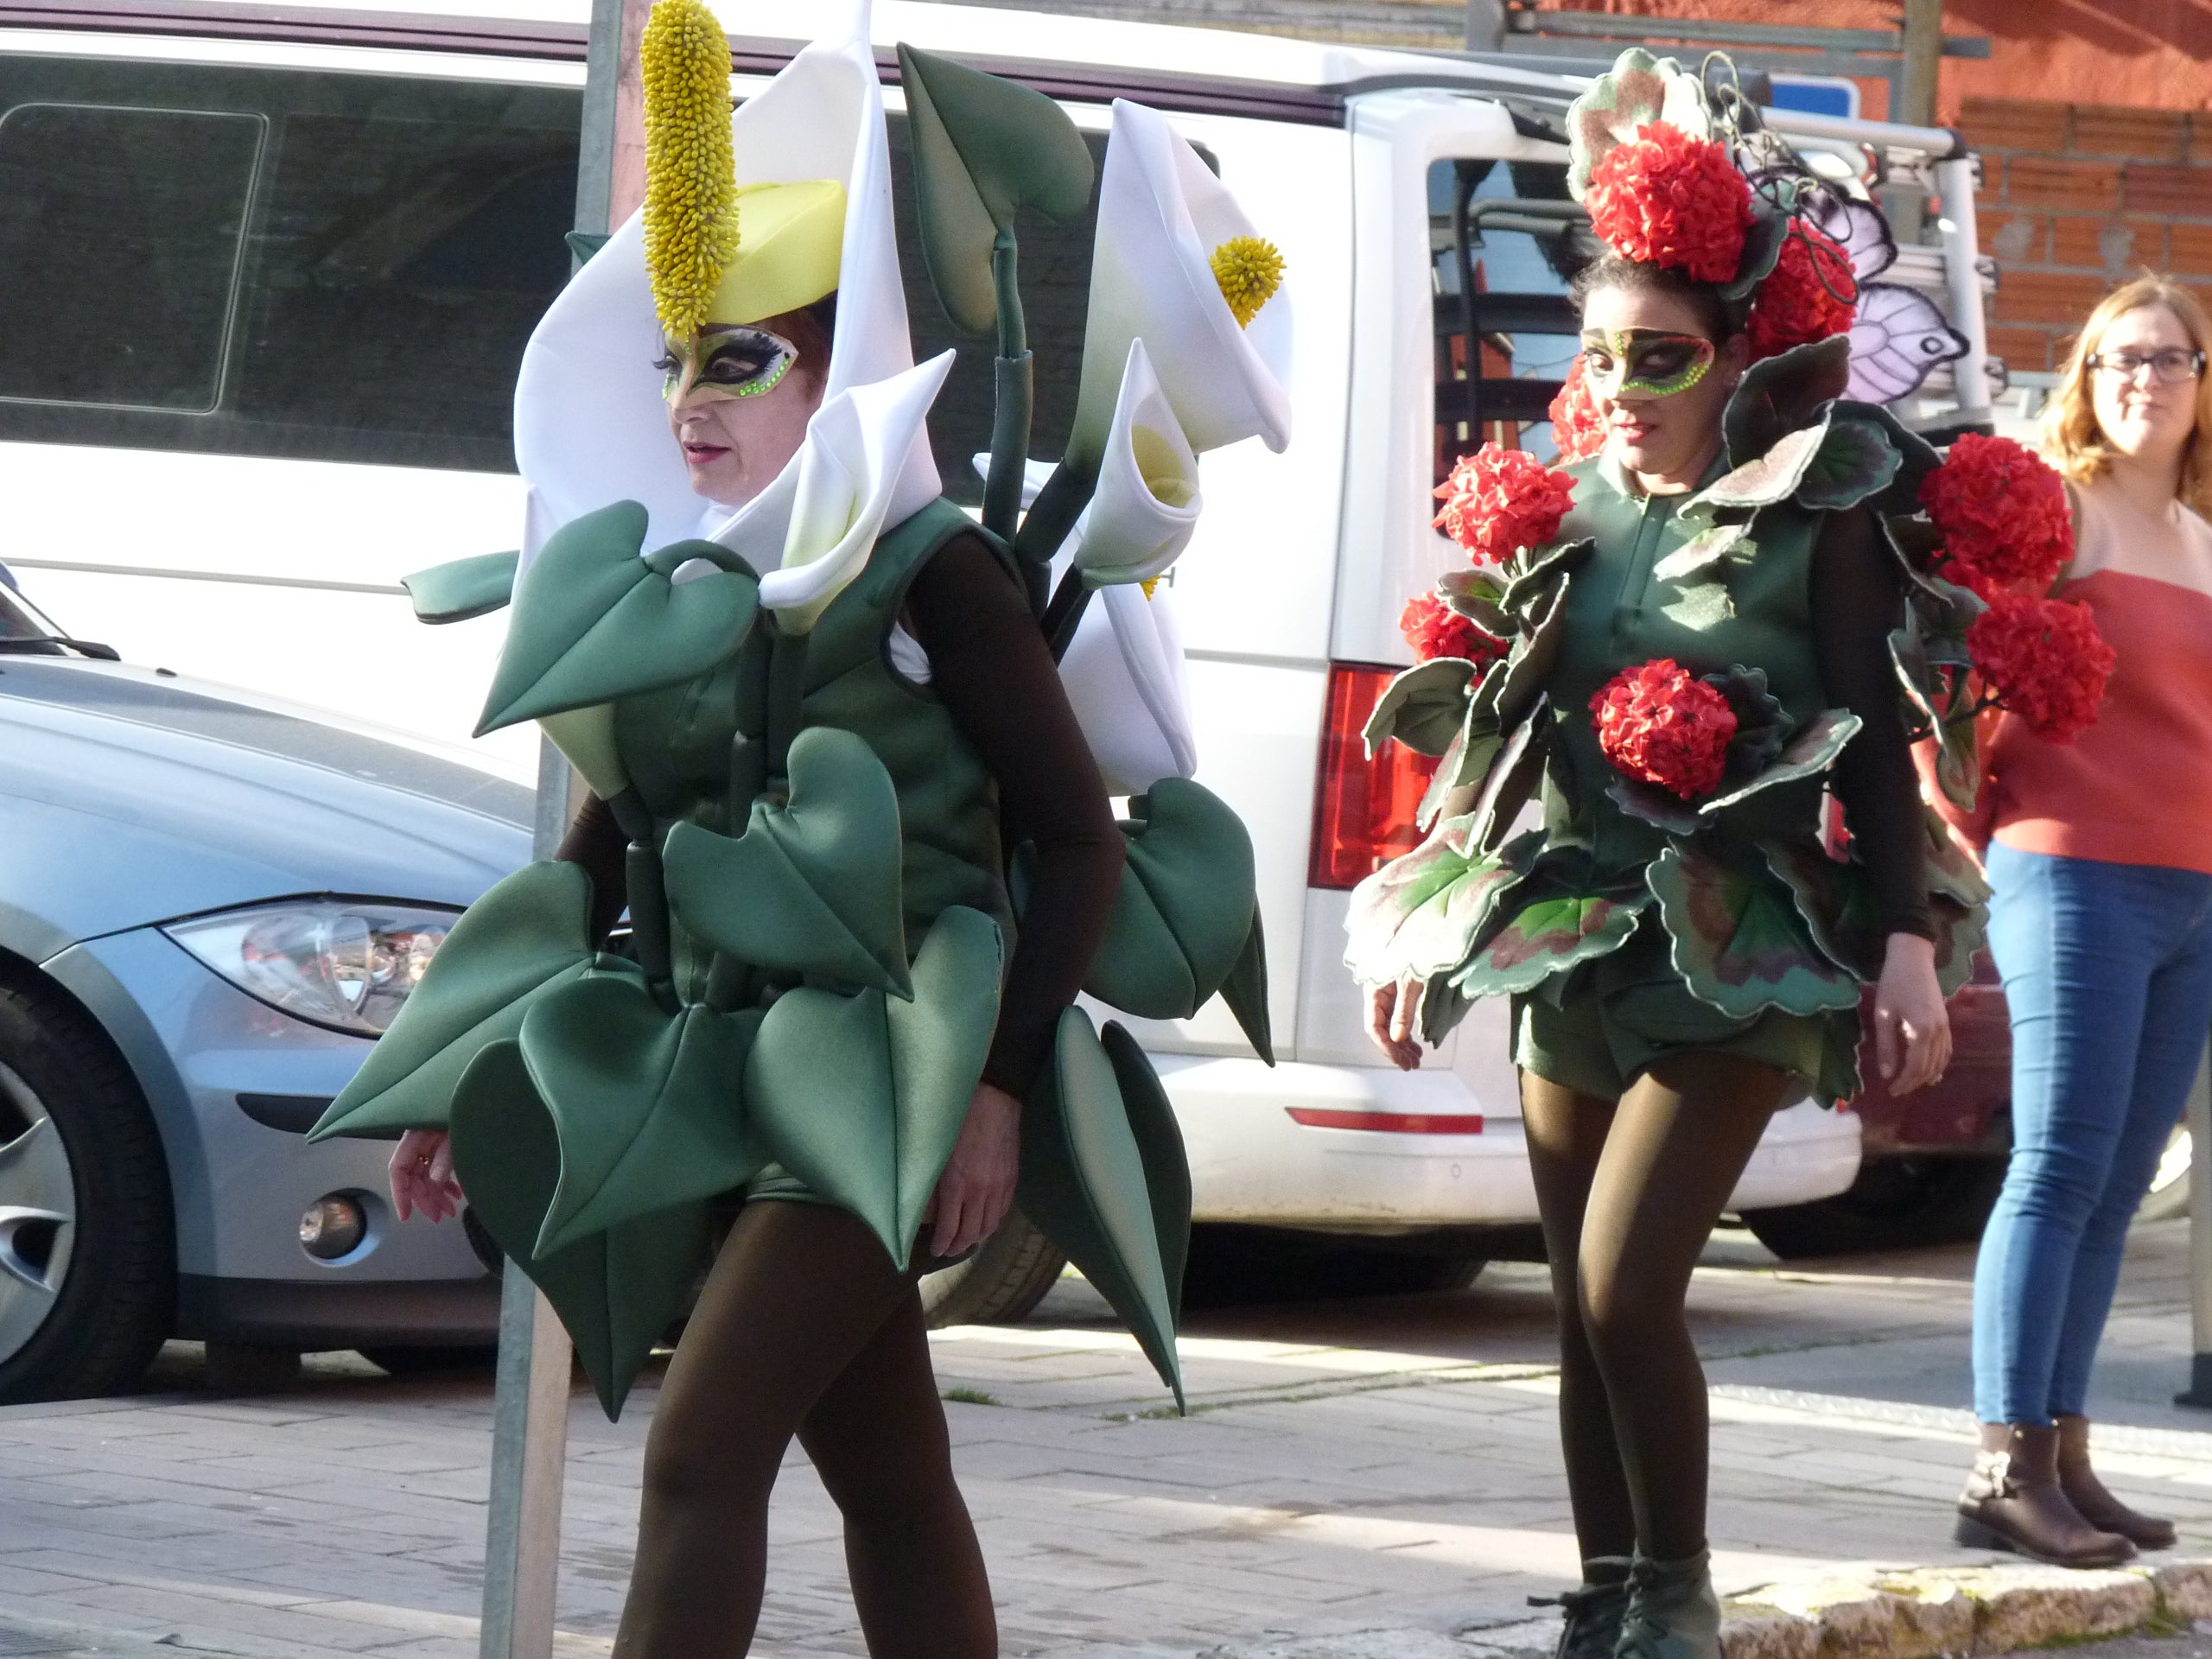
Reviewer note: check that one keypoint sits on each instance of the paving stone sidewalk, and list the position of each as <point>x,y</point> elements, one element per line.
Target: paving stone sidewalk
<point>1369,1480</point>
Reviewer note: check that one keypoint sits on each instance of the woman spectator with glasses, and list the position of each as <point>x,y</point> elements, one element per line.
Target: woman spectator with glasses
<point>2101,923</point>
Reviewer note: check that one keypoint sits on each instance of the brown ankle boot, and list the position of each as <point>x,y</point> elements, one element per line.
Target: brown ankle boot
<point>2013,1501</point>
<point>2097,1506</point>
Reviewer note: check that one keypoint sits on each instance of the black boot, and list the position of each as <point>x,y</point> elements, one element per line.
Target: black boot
<point>2099,1507</point>
<point>2014,1501</point>
<point>1592,1626</point>
<point>1672,1610</point>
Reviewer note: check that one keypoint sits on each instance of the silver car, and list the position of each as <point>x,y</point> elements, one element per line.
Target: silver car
<point>210,905</point>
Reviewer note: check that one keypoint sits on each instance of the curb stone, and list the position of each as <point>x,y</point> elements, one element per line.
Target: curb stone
<point>1922,1612</point>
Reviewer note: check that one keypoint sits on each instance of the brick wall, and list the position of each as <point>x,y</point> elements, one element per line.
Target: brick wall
<point>2076,197</point>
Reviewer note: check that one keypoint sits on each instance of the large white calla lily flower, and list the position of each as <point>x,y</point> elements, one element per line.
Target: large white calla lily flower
<point>1162,213</point>
<point>1148,501</point>
<point>852,483</point>
<point>590,424</point>
<point>1126,682</point>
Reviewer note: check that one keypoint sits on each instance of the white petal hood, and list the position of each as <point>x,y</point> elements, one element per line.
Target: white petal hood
<point>1162,213</point>
<point>590,424</point>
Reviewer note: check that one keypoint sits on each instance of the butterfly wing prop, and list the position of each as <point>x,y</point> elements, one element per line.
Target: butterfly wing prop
<point>1897,340</point>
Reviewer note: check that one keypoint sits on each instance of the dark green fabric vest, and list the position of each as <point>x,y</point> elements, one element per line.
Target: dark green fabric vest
<point>697,751</point>
<point>1620,613</point>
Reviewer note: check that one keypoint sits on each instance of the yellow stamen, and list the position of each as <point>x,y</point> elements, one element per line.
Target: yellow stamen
<point>690,211</point>
<point>1249,270</point>
<point>1149,584</point>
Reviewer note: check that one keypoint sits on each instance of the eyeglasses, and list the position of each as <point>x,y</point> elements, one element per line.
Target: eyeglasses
<point>2173,364</point>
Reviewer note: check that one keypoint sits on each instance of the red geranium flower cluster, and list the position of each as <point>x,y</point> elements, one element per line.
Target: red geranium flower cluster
<point>1433,629</point>
<point>1661,724</point>
<point>1498,501</point>
<point>2003,514</point>
<point>1577,427</point>
<point>1667,199</point>
<point>1809,294</point>
<point>2044,660</point>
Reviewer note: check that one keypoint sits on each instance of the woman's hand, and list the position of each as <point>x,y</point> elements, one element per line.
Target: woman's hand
<point>422,1176</point>
<point>1391,1011</point>
<point>976,1189</point>
<point>1912,1029</point>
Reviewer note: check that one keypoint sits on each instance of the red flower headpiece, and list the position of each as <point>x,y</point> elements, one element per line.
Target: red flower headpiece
<point>1810,294</point>
<point>2044,660</point>
<point>1433,629</point>
<point>1577,427</point>
<point>1659,724</point>
<point>1498,501</point>
<point>1667,199</point>
<point>2003,514</point>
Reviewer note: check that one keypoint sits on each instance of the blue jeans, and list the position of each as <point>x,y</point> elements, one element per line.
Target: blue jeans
<point>2107,969</point>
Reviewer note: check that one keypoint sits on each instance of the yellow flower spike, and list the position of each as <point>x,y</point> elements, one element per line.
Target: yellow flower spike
<point>1249,270</point>
<point>691,187</point>
<point>1151,582</point>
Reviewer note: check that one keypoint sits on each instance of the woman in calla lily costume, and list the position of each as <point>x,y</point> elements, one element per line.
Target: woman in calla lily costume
<point>834,777</point>
<point>1685,636</point>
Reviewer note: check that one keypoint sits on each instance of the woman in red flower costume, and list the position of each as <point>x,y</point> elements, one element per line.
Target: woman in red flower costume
<point>2091,825</point>
<point>1699,616</point>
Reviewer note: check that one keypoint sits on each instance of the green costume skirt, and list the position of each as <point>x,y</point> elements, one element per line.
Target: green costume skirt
<point>1599,1027</point>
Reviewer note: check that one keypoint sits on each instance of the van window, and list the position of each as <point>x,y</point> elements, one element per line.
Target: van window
<point>282,262</point>
<point>348,267</point>
<point>121,245</point>
<point>1505,241</point>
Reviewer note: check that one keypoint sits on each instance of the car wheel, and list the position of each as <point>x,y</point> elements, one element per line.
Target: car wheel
<point>1896,1204</point>
<point>433,1362</point>
<point>1008,1275</point>
<point>2169,1194</point>
<point>87,1242</point>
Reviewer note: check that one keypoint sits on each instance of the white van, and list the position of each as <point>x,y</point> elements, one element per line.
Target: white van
<point>270,270</point>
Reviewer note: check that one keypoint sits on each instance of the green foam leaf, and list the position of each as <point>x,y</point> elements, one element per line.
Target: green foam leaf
<point>834,1081</point>
<point>984,148</point>
<point>1083,1181</point>
<point>593,622</point>
<point>1184,915</point>
<point>1855,461</point>
<point>1422,708</point>
<point>811,887</point>
<point>462,589</point>
<point>1738,937</point>
<point>616,1292</point>
<point>529,934</point>
<point>648,1104</point>
<point>1780,394</point>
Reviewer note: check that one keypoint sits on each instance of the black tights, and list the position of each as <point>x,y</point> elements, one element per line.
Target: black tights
<point>1629,1192</point>
<point>803,1327</point>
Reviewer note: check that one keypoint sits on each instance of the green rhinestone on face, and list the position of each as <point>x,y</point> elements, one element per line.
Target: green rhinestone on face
<point>1649,361</point>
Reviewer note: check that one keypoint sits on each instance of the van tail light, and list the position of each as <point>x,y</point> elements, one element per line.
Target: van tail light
<point>1363,809</point>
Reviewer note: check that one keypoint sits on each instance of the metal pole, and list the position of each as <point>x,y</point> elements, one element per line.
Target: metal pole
<point>1962,275</point>
<point>1923,48</point>
<point>1485,24</point>
<point>2199,1119</point>
<point>529,1425</point>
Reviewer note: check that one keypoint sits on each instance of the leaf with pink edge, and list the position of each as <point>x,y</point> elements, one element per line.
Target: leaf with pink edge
<point>1560,914</point>
<point>1738,937</point>
<point>1636,91</point>
<point>1422,708</point>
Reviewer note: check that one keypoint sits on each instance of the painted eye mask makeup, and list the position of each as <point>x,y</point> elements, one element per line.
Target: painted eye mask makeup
<point>726,362</point>
<point>1645,360</point>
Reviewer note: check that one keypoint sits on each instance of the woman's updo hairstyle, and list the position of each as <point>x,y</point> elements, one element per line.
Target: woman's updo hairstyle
<point>1719,319</point>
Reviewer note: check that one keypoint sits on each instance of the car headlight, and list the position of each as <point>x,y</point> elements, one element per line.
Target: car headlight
<point>344,963</point>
